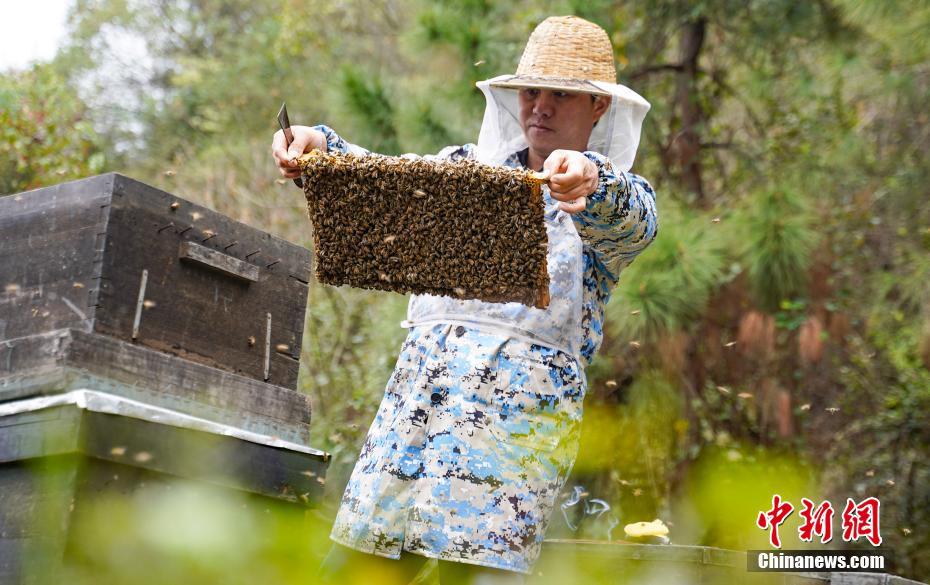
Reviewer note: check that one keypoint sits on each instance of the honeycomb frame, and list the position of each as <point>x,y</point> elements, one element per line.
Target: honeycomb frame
<point>426,226</point>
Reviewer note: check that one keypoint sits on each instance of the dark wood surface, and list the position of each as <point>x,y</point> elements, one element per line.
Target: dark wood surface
<point>231,462</point>
<point>36,498</point>
<point>51,247</point>
<point>60,361</point>
<point>58,461</point>
<point>633,564</point>
<point>215,260</point>
<point>74,255</point>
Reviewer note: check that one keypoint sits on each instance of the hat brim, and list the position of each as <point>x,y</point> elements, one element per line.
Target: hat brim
<point>554,83</point>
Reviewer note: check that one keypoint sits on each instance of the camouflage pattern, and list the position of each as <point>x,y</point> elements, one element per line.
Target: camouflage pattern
<point>475,437</point>
<point>478,427</point>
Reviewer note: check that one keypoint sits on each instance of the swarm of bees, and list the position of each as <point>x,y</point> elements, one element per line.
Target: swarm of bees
<point>415,225</point>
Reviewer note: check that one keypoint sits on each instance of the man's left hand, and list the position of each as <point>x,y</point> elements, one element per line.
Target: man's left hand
<point>572,177</point>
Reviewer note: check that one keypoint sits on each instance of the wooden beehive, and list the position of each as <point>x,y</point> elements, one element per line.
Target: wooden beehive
<point>63,456</point>
<point>110,284</point>
<point>147,346</point>
<point>114,256</point>
<point>416,225</point>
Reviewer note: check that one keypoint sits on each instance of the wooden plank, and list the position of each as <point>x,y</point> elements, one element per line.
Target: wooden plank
<point>65,360</point>
<point>631,564</point>
<point>92,537</point>
<point>45,201</point>
<point>12,551</point>
<point>35,496</point>
<point>201,390</point>
<point>222,460</point>
<point>225,461</point>
<point>39,434</point>
<point>31,561</point>
<point>869,579</point>
<point>215,260</point>
<point>199,315</point>
<point>33,353</point>
<point>290,258</point>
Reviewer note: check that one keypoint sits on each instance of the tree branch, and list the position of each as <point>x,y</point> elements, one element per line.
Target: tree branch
<point>650,69</point>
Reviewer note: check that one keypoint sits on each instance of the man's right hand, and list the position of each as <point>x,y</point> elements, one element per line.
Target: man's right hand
<point>305,139</point>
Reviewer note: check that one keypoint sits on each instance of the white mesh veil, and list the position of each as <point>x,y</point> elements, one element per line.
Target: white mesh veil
<point>615,136</point>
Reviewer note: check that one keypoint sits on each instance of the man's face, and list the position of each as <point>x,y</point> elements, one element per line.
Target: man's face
<point>554,119</point>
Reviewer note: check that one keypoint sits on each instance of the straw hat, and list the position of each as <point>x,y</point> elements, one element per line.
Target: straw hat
<point>565,52</point>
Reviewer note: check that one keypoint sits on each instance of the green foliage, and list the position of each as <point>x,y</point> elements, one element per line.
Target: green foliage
<point>46,132</point>
<point>727,487</point>
<point>667,288</point>
<point>884,448</point>
<point>791,314</point>
<point>368,100</point>
<point>627,448</point>
<point>472,30</point>
<point>776,242</point>
<point>424,127</point>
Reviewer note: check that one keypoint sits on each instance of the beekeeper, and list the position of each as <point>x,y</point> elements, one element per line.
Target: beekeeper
<point>479,424</point>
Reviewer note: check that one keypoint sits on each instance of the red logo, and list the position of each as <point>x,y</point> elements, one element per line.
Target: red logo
<point>819,521</point>
<point>859,520</point>
<point>773,518</point>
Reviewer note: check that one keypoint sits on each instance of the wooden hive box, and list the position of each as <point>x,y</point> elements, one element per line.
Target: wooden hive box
<point>112,285</point>
<point>69,460</point>
<point>113,256</point>
<point>147,345</point>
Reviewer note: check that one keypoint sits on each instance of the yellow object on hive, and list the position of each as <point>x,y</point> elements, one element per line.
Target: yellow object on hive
<point>644,529</point>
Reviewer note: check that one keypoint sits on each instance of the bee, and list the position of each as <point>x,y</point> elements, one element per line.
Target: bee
<point>458,228</point>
